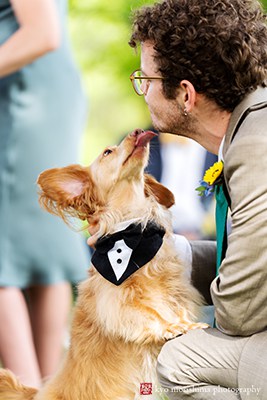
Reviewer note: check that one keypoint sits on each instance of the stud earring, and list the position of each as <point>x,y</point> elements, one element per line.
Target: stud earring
<point>185,112</point>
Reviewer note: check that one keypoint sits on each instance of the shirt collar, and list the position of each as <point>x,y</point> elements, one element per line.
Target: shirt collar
<point>220,153</point>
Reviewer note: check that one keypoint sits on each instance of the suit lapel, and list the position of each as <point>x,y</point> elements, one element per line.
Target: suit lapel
<point>253,101</point>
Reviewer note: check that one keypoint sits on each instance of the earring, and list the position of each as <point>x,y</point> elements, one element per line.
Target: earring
<point>185,112</point>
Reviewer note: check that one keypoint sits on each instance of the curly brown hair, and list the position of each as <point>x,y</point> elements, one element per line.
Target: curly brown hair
<point>220,46</point>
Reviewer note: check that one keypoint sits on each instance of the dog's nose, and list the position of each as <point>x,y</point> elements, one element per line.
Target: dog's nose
<point>137,132</point>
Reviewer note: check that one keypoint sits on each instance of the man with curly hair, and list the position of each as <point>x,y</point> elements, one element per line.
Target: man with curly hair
<point>203,76</point>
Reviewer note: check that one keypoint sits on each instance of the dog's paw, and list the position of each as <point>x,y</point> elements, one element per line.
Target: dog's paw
<point>173,330</point>
<point>197,325</point>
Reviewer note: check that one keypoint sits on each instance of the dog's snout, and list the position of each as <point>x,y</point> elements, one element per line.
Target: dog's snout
<point>137,132</point>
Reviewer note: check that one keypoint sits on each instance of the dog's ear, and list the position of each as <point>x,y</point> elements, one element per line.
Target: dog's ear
<point>163,195</point>
<point>68,191</point>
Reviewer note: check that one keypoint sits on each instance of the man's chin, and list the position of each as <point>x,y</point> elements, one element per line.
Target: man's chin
<point>159,128</point>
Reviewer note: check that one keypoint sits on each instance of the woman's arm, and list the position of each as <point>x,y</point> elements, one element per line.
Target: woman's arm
<point>38,34</point>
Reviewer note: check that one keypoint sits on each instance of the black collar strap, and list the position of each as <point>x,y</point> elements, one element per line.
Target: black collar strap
<point>118,256</point>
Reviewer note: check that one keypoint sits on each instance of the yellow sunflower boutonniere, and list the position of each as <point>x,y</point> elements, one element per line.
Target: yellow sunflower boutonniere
<point>210,179</point>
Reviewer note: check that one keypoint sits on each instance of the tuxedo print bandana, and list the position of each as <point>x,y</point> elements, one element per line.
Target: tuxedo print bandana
<point>119,255</point>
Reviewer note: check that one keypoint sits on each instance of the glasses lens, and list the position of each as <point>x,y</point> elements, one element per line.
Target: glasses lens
<point>137,82</point>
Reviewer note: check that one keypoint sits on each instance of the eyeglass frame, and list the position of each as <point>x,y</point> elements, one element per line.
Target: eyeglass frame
<point>132,79</point>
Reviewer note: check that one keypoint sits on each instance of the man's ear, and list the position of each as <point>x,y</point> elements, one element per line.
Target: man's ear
<point>68,191</point>
<point>188,95</point>
<point>163,195</point>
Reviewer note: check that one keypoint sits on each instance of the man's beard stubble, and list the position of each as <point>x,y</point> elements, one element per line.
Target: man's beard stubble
<point>178,123</point>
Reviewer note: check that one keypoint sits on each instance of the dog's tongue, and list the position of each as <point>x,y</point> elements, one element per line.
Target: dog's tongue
<point>144,137</point>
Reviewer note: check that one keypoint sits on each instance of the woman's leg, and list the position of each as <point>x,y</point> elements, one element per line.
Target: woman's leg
<point>50,310</point>
<point>17,350</point>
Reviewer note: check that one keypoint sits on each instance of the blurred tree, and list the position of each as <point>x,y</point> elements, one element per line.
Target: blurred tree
<point>100,31</point>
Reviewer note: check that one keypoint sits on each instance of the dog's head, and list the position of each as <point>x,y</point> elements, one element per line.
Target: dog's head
<point>115,181</point>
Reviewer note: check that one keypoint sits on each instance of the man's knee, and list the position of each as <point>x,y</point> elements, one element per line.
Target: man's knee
<point>162,365</point>
<point>171,365</point>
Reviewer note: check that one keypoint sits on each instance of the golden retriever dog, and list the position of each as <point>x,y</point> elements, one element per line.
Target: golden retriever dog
<point>137,295</point>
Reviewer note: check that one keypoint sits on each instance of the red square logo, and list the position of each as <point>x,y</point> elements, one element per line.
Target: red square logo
<point>145,388</point>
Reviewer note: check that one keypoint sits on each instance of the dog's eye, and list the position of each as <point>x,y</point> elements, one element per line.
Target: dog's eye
<point>107,152</point>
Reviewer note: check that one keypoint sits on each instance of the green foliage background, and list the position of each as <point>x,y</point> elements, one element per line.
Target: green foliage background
<point>99,31</point>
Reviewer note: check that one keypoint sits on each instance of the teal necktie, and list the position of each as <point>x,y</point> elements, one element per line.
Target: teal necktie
<point>221,223</point>
<point>221,213</point>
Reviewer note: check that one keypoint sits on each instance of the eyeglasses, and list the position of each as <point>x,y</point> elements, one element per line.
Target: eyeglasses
<point>138,84</point>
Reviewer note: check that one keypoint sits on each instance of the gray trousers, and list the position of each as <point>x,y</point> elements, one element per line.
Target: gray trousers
<point>206,364</point>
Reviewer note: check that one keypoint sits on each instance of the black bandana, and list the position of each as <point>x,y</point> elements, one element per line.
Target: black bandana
<point>118,256</point>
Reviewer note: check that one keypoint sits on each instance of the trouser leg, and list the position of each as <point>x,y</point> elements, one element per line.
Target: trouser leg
<point>201,365</point>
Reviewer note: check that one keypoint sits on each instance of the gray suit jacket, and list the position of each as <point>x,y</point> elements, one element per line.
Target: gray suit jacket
<point>239,293</point>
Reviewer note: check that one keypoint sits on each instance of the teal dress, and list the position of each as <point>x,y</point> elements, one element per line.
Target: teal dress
<point>42,112</point>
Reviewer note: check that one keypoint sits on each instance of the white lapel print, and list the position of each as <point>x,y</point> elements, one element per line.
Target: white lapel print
<point>119,257</point>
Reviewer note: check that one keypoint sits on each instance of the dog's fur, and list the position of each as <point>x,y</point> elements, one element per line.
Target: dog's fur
<point>117,331</point>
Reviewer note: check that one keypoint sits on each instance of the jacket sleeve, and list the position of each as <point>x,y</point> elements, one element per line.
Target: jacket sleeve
<point>239,293</point>
<point>203,266</point>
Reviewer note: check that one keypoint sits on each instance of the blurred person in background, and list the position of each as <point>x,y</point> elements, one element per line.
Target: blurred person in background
<point>42,113</point>
<point>179,164</point>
